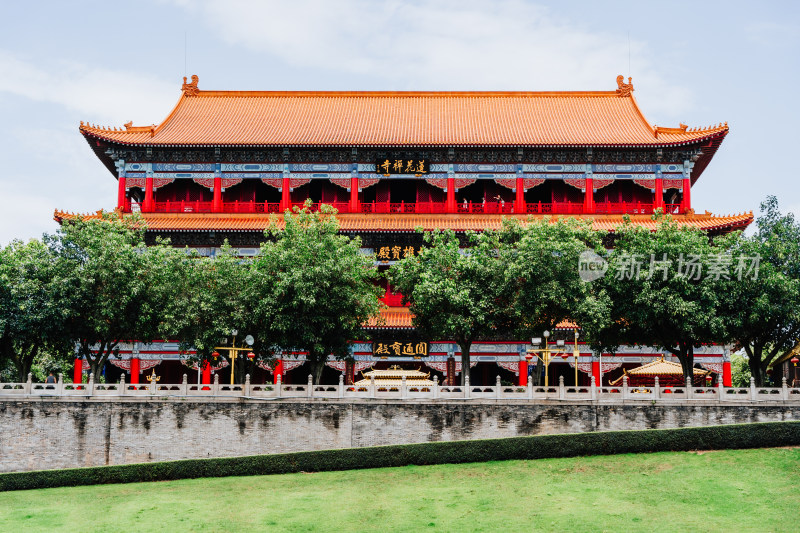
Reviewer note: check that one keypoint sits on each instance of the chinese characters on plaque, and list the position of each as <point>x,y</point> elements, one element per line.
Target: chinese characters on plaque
<point>395,253</point>
<point>400,349</point>
<point>388,167</point>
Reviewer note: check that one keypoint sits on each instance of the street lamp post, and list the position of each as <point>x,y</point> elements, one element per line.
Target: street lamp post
<point>233,351</point>
<point>546,354</point>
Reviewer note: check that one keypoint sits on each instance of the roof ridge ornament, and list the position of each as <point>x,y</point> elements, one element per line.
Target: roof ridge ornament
<point>190,89</point>
<point>624,89</point>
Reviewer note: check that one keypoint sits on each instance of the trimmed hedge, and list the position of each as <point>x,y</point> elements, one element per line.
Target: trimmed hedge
<point>759,435</point>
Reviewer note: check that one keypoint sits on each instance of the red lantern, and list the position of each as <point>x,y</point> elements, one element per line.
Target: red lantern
<point>215,355</point>
<point>528,357</point>
<point>251,355</point>
<point>708,379</point>
<point>795,360</point>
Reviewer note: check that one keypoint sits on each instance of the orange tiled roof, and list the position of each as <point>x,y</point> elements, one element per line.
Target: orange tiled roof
<point>392,317</point>
<point>336,118</point>
<point>401,318</point>
<point>200,222</point>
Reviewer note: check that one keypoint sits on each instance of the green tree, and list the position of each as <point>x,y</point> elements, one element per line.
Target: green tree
<point>31,322</point>
<point>541,263</point>
<point>658,296</point>
<point>312,287</point>
<point>211,301</point>
<point>761,303</point>
<point>112,287</point>
<point>455,295</point>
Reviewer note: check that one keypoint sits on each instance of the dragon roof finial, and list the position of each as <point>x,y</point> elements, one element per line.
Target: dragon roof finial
<point>624,89</point>
<point>190,89</point>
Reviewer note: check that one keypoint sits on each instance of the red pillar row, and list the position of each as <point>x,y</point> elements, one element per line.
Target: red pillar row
<point>285,198</point>
<point>588,197</point>
<point>451,194</point>
<point>450,375</point>
<point>206,369</point>
<point>148,204</point>
<point>354,205</point>
<point>122,200</point>
<point>596,372</point>
<point>686,201</point>
<point>519,200</point>
<point>277,371</point>
<point>523,373</point>
<point>216,205</point>
<point>135,370</point>
<point>659,194</point>
<point>77,372</point>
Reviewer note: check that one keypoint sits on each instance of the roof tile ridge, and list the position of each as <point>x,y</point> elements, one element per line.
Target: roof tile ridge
<point>722,126</point>
<point>398,94</point>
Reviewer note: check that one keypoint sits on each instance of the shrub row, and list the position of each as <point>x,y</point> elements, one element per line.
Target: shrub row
<point>758,435</point>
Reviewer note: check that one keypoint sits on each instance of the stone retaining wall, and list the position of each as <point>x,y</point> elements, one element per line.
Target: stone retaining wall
<point>45,434</point>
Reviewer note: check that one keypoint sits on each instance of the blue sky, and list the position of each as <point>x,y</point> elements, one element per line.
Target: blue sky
<point>699,63</point>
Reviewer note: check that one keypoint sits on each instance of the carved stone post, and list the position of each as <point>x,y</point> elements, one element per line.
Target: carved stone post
<point>279,385</point>
<point>561,391</point>
<point>310,388</point>
<point>341,386</point>
<point>656,389</point>
<point>435,387</point>
<point>122,386</point>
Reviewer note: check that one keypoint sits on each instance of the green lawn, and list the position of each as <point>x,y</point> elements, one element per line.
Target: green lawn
<point>736,490</point>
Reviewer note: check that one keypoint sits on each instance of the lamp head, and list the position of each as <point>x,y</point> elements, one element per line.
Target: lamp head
<point>546,334</point>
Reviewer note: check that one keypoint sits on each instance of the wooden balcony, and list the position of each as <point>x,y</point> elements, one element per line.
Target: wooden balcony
<point>467,208</point>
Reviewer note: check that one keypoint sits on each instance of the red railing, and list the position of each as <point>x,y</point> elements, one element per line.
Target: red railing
<point>182,207</point>
<point>630,208</point>
<point>251,207</point>
<point>538,208</point>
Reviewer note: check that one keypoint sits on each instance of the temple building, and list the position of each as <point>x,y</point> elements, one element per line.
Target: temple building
<point>222,162</point>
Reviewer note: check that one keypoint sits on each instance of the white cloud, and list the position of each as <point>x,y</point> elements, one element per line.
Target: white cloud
<point>99,95</point>
<point>440,45</point>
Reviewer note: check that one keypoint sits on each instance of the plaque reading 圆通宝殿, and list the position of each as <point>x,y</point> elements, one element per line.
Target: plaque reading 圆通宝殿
<point>388,167</point>
<point>400,349</point>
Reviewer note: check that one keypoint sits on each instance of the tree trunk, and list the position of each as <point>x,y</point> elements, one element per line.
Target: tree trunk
<point>465,346</point>
<point>685,354</point>
<point>756,371</point>
<point>317,366</point>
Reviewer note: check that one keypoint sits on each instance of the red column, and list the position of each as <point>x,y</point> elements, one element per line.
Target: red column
<point>686,201</point>
<point>450,376</point>
<point>147,206</point>
<point>135,370</point>
<point>354,207</point>
<point>277,371</point>
<point>216,205</point>
<point>77,372</point>
<point>285,197</point>
<point>519,200</point>
<point>659,195</point>
<point>588,197</point>
<point>523,373</point>
<point>727,380</point>
<point>206,369</point>
<point>596,372</point>
<point>451,194</point>
<point>122,201</point>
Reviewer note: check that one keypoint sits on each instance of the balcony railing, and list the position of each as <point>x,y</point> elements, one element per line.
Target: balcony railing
<point>537,208</point>
<point>690,394</point>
